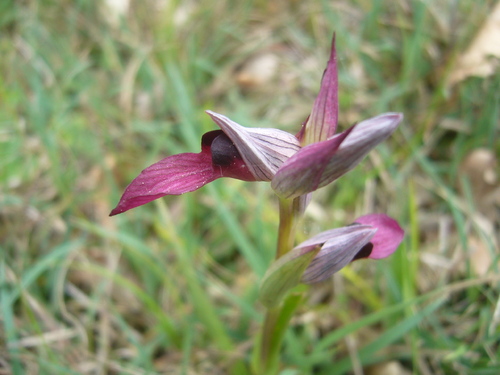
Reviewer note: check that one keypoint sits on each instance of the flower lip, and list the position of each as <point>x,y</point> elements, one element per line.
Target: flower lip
<point>388,237</point>
<point>183,173</point>
<point>173,175</point>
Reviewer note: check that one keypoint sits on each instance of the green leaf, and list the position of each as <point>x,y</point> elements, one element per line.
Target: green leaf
<point>284,274</point>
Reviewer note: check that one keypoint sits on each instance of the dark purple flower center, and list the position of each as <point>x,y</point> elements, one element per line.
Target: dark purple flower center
<point>223,151</point>
<point>364,252</point>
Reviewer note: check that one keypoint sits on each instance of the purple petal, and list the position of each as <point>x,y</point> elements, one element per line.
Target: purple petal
<point>174,175</point>
<point>322,123</point>
<point>340,246</point>
<point>388,237</point>
<point>323,167</point>
<point>264,150</point>
<point>302,173</point>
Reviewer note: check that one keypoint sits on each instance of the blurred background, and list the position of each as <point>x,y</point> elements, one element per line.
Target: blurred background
<point>92,92</point>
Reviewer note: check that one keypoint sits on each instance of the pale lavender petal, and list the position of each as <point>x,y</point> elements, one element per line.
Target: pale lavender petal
<point>340,247</point>
<point>322,123</point>
<point>264,150</point>
<point>322,167</point>
<point>388,237</point>
<point>362,138</point>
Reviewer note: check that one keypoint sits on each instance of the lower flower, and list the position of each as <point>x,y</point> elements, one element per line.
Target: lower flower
<point>372,236</point>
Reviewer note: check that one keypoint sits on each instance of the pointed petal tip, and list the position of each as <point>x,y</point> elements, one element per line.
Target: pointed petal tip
<point>220,119</point>
<point>394,118</point>
<point>173,175</point>
<point>118,210</point>
<point>215,116</point>
<point>333,51</point>
<point>322,122</point>
<point>397,116</point>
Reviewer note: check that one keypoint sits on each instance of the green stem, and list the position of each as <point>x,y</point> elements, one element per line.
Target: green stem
<point>277,318</point>
<point>268,340</point>
<point>288,223</point>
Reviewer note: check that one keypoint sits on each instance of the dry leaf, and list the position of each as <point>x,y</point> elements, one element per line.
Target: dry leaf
<point>114,10</point>
<point>480,256</point>
<point>387,368</point>
<point>258,71</point>
<point>481,58</point>
<point>480,168</point>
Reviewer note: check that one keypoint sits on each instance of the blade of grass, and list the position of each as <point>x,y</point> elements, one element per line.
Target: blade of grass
<point>204,307</point>
<point>334,337</point>
<point>172,330</point>
<point>237,233</point>
<point>366,354</point>
<point>46,263</point>
<point>9,326</point>
<point>206,310</point>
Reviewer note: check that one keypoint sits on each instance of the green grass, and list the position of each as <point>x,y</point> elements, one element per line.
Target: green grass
<point>172,287</point>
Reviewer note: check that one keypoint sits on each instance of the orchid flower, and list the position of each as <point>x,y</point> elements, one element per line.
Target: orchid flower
<point>248,154</point>
<point>374,236</point>
<point>295,165</point>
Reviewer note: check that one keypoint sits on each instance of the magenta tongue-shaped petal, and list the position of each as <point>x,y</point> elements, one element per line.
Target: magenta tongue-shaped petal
<point>174,175</point>
<point>183,173</point>
<point>249,154</point>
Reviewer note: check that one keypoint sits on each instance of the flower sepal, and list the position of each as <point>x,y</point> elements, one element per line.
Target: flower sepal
<point>284,274</point>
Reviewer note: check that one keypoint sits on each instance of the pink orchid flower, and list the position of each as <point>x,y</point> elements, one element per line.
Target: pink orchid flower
<point>295,165</point>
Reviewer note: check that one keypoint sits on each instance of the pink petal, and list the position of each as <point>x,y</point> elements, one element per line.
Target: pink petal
<point>322,123</point>
<point>183,173</point>
<point>388,237</point>
<point>174,175</point>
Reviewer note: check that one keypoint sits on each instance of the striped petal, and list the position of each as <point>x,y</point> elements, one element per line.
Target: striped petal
<point>264,150</point>
<point>319,164</point>
<point>322,123</point>
<point>338,248</point>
